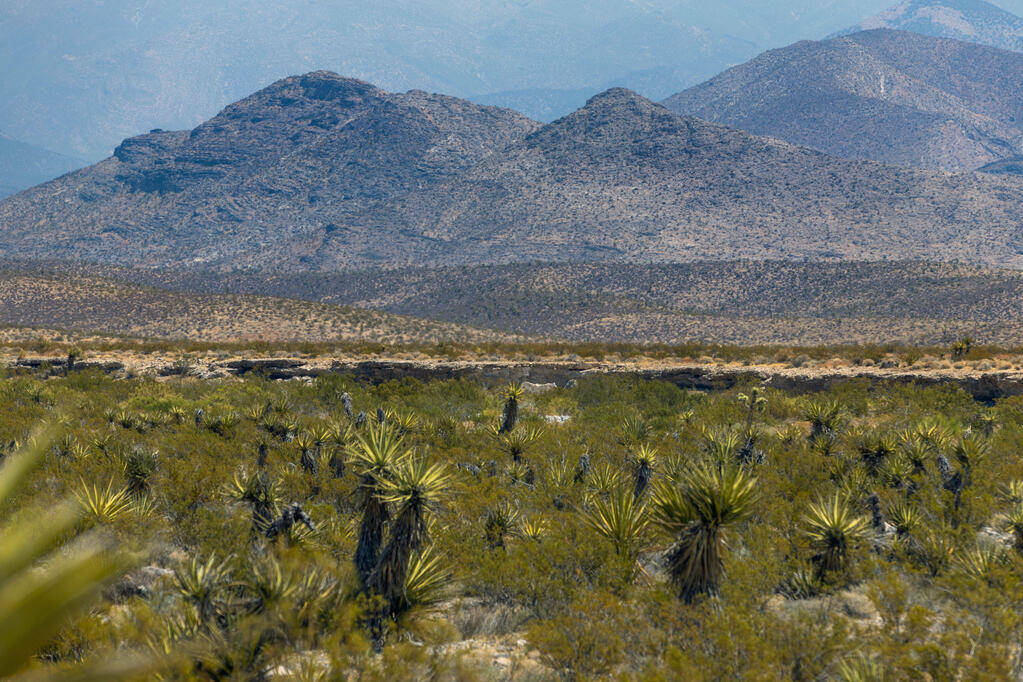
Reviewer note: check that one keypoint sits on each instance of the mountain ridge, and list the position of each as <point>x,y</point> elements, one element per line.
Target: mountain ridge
<point>23,165</point>
<point>974,21</point>
<point>320,172</point>
<point>881,95</point>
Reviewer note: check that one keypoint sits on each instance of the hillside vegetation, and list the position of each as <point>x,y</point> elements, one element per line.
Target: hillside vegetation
<point>615,528</point>
<point>98,305</point>
<point>738,302</point>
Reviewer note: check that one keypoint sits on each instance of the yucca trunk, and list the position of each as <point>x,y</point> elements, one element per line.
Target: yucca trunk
<point>371,535</point>
<point>511,414</point>
<point>641,479</point>
<point>694,563</point>
<point>337,465</point>
<point>309,462</point>
<point>388,578</point>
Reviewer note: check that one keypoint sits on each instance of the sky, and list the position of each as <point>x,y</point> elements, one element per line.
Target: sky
<point>81,75</point>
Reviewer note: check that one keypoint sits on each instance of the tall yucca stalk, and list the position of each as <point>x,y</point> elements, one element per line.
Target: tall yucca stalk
<point>621,518</point>
<point>644,462</point>
<point>374,455</point>
<point>414,489</point>
<point>42,584</point>
<point>698,512</point>
<point>512,394</point>
<point>832,528</point>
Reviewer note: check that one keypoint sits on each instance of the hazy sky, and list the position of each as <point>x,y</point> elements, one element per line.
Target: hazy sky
<point>80,75</point>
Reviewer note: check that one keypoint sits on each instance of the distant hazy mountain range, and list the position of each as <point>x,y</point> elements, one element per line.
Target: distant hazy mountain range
<point>79,77</point>
<point>973,21</point>
<point>320,172</point>
<point>883,95</point>
<point>23,165</point>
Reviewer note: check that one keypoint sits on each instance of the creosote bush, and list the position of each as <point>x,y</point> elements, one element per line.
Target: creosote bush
<point>654,534</point>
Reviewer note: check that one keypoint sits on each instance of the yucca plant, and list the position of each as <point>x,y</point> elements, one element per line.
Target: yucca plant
<point>404,422</point>
<point>267,587</point>
<point>374,455</point>
<point>520,472</point>
<point>981,562</point>
<point>861,668</point>
<point>635,430</point>
<point>44,584</point>
<point>896,471</point>
<point>511,394</point>
<point>823,444</point>
<point>969,452</point>
<point>987,423</point>
<point>833,528</point>
<point>1012,492</point>
<point>961,348</point>
<point>516,442</point>
<point>935,548</point>
<point>824,416</point>
<point>876,450</point>
<point>202,584</point>
<point>905,517</point>
<point>499,523</point>
<point>604,478</point>
<point>934,434</point>
<point>621,518</point>
<point>262,493</point>
<point>559,474</point>
<point>103,505</point>
<point>802,584</point>
<point>917,453</point>
<point>1014,524</point>
<point>305,445</point>
<point>427,583</point>
<point>139,467</point>
<point>532,528</point>
<point>644,461</point>
<point>698,513</point>
<point>722,448</point>
<point>755,402</point>
<point>414,489</point>
<point>788,434</point>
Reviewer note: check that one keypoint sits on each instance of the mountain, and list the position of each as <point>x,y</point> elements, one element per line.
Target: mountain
<point>22,165</point>
<point>314,150</point>
<point>320,172</point>
<point>81,76</point>
<point>883,95</point>
<point>973,21</point>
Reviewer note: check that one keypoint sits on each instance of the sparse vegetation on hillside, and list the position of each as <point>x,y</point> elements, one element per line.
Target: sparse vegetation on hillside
<point>731,302</point>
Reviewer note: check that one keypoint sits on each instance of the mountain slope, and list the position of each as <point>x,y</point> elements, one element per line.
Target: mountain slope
<point>22,165</point>
<point>740,302</point>
<point>310,150</point>
<point>973,21</point>
<point>882,95</point>
<point>89,303</point>
<point>625,179</point>
<point>324,173</point>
